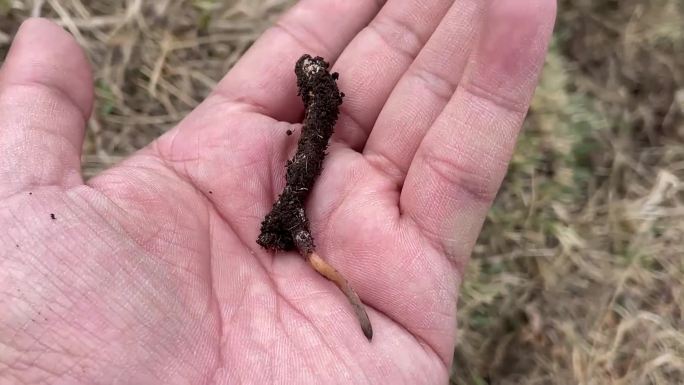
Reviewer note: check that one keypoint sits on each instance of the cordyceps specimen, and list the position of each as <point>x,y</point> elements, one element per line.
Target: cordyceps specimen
<point>286,227</point>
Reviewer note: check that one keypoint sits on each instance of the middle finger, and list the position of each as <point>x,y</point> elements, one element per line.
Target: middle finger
<point>377,58</point>
<point>424,90</point>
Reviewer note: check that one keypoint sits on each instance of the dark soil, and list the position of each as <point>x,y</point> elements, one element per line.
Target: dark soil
<point>286,227</point>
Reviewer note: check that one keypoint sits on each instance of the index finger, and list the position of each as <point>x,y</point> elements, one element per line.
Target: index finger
<point>263,78</point>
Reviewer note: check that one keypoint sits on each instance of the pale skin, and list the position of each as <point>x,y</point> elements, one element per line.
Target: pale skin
<point>150,273</point>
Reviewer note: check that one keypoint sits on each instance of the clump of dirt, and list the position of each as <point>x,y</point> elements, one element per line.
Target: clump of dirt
<point>322,99</point>
<point>286,227</point>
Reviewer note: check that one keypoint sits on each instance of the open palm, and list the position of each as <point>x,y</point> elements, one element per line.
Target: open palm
<point>150,273</point>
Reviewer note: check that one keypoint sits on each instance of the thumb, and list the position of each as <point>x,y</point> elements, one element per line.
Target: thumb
<point>46,96</point>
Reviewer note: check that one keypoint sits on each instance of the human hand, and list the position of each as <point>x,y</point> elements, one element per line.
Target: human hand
<point>149,273</point>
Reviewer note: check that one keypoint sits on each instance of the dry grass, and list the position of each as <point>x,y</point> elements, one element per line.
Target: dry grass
<point>154,60</point>
<point>578,275</point>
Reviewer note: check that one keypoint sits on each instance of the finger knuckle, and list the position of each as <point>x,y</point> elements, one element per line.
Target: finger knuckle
<point>461,176</point>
